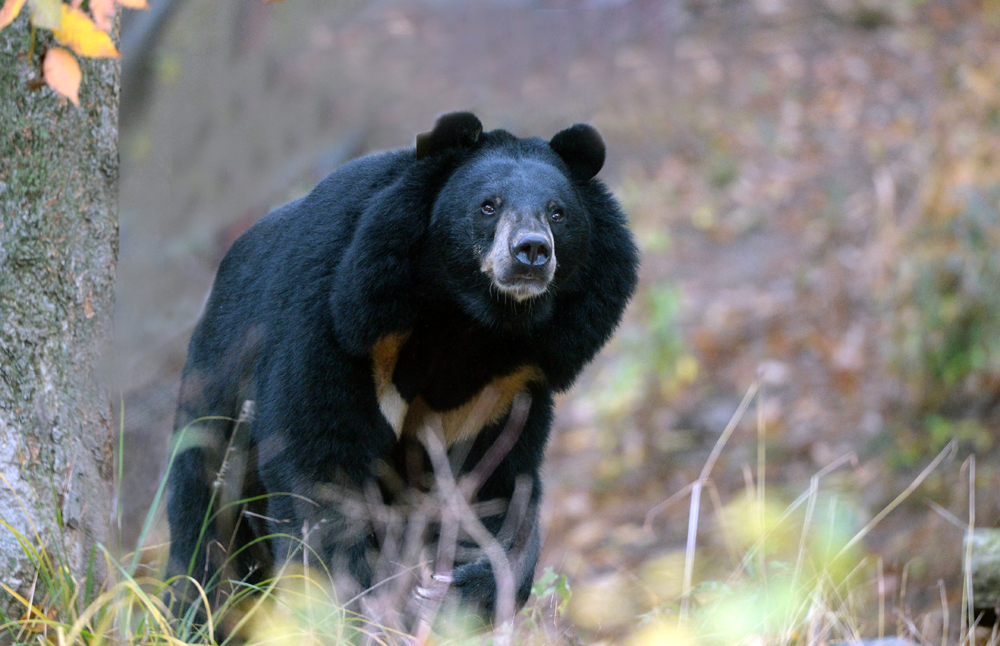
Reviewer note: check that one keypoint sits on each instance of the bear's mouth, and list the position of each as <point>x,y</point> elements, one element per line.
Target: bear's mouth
<point>521,287</point>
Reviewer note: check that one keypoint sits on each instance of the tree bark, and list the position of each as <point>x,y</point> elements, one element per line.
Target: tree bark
<point>58,250</point>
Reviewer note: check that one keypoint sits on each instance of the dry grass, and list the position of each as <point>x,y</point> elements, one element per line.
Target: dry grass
<point>791,573</point>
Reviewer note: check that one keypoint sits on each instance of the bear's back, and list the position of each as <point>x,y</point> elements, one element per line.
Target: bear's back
<point>287,258</point>
<point>317,226</point>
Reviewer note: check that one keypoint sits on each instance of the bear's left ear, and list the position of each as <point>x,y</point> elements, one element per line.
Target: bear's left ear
<point>453,130</point>
<point>582,148</point>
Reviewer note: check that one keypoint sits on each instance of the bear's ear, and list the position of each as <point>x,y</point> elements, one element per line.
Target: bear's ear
<point>453,130</point>
<point>582,148</point>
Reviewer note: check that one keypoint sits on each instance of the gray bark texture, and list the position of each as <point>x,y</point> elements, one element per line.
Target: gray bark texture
<point>58,250</point>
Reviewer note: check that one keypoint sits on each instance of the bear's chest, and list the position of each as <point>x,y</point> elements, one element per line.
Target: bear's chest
<point>455,381</point>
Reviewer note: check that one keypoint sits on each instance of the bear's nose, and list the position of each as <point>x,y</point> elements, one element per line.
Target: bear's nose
<point>532,249</point>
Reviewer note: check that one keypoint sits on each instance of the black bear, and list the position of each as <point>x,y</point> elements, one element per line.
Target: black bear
<point>415,288</point>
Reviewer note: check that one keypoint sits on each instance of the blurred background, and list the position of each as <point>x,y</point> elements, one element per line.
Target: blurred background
<point>815,187</point>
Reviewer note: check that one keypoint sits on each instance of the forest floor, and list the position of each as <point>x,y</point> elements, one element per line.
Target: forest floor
<point>813,186</point>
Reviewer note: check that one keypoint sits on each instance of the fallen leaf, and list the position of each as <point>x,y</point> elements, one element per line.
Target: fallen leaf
<point>46,13</point>
<point>62,73</point>
<point>79,33</point>
<point>104,13</point>
<point>88,307</point>
<point>9,11</point>
<point>134,4</point>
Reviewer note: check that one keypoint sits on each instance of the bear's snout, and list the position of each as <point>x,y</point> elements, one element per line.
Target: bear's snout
<point>531,250</point>
<point>522,259</point>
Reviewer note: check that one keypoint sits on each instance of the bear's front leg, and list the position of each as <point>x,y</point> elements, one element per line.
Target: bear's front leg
<point>515,482</point>
<point>479,585</point>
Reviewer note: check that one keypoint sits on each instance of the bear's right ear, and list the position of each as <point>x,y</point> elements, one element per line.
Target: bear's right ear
<point>453,130</point>
<point>582,149</point>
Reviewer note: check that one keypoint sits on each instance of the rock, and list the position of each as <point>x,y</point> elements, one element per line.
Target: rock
<point>885,641</point>
<point>984,566</point>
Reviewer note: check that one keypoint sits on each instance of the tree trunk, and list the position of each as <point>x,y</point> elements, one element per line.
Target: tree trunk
<point>58,249</point>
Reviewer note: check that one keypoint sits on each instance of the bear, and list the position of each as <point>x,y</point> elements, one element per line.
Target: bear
<point>457,286</point>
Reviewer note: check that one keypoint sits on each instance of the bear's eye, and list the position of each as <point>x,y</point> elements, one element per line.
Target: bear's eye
<point>557,214</point>
<point>488,207</point>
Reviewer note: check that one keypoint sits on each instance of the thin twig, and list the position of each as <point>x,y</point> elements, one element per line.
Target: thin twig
<point>968,602</point>
<point>696,499</point>
<point>949,449</point>
<point>502,573</point>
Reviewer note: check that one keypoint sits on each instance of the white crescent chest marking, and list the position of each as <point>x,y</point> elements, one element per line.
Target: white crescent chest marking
<point>486,407</point>
<point>390,402</point>
<point>393,408</point>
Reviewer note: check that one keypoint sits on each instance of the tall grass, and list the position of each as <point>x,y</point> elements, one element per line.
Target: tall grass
<point>759,570</point>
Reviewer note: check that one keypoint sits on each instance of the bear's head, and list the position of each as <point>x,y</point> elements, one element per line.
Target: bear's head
<point>510,226</point>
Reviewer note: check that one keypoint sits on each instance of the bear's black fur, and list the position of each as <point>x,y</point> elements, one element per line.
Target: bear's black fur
<point>404,287</point>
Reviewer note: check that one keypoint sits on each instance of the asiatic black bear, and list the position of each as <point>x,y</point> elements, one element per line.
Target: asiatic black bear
<point>409,287</point>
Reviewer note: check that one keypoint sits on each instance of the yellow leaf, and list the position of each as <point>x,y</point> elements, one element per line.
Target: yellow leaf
<point>9,11</point>
<point>104,13</point>
<point>62,73</point>
<point>134,4</point>
<point>46,13</point>
<point>79,33</point>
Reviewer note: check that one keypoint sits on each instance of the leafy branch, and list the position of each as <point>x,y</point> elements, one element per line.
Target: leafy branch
<point>84,34</point>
